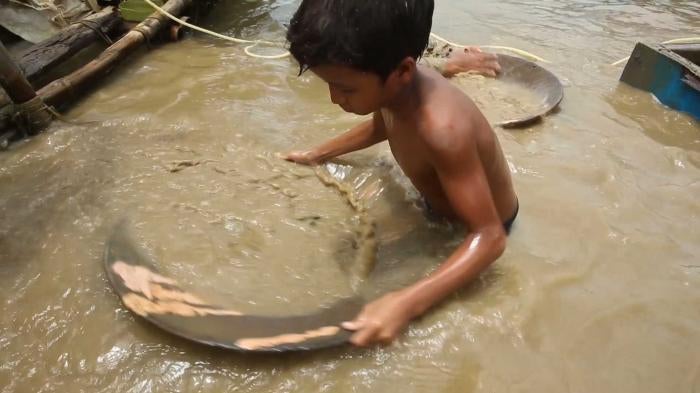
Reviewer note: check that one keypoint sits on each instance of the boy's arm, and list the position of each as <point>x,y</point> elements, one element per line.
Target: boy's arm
<point>464,181</point>
<point>359,137</point>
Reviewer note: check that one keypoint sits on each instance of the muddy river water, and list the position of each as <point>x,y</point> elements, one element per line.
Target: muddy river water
<point>598,291</point>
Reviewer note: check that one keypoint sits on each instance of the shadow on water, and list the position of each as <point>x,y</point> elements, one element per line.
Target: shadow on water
<point>40,190</point>
<point>247,19</point>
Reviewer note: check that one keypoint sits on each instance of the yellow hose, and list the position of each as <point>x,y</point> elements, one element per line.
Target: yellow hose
<point>507,48</point>
<point>688,40</point>
<point>225,37</point>
<point>255,43</point>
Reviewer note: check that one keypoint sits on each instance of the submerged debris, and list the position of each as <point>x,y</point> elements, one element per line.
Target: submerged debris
<point>180,165</point>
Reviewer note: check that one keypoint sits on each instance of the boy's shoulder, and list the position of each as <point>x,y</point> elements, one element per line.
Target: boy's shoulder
<point>441,133</point>
<point>448,118</point>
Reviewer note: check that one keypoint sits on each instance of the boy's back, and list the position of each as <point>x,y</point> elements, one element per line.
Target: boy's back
<point>447,124</point>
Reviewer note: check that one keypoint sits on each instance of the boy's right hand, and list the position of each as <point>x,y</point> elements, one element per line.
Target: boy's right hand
<point>301,157</point>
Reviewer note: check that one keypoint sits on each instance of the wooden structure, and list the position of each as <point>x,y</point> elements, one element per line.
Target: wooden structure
<point>42,57</point>
<point>101,26</point>
<point>64,90</point>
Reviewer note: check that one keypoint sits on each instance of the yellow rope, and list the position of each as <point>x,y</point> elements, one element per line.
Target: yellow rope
<point>251,54</point>
<point>225,37</point>
<point>507,48</point>
<point>688,40</point>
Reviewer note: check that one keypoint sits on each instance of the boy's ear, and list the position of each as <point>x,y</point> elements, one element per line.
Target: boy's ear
<point>403,73</point>
<point>406,69</point>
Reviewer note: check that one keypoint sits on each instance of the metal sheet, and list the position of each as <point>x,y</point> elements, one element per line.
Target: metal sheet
<point>673,79</point>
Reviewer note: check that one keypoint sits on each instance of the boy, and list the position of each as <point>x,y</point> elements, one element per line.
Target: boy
<point>366,51</point>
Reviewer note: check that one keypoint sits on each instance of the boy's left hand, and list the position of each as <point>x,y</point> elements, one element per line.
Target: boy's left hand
<point>382,320</point>
<point>300,157</point>
<point>472,59</point>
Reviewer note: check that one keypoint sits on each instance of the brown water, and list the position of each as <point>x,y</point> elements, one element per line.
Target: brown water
<point>598,291</point>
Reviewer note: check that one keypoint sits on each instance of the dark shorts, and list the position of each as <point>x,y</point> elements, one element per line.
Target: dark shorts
<point>507,224</point>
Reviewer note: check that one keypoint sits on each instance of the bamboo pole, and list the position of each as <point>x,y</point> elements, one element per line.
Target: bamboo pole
<point>70,87</point>
<point>36,61</point>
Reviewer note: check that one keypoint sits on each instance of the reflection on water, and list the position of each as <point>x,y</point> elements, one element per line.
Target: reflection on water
<point>597,291</point>
<point>667,127</point>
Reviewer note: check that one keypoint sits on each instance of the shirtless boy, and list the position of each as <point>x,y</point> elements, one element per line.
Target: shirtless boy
<point>366,51</point>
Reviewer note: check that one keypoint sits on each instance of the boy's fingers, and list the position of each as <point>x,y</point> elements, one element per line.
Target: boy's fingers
<point>487,71</point>
<point>386,338</point>
<point>351,325</point>
<point>493,67</point>
<point>287,156</point>
<point>478,71</point>
<point>364,337</point>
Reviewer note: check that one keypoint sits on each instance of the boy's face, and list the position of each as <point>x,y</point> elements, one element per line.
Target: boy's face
<point>355,91</point>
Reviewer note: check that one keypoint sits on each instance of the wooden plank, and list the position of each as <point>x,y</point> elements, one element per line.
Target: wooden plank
<point>40,58</point>
<point>690,52</point>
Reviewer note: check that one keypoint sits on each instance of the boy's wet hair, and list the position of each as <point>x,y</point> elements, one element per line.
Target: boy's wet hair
<point>369,35</point>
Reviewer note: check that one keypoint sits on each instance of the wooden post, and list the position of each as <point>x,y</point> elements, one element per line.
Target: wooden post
<point>12,80</point>
<point>33,112</point>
